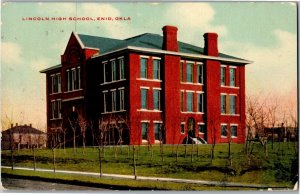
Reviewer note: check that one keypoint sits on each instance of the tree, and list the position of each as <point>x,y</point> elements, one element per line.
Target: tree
<point>214,127</point>
<point>293,117</point>
<point>53,145</point>
<point>257,117</point>
<point>162,131</point>
<point>149,145</point>
<point>272,116</point>
<point>73,122</point>
<point>103,124</point>
<point>11,139</point>
<point>83,126</point>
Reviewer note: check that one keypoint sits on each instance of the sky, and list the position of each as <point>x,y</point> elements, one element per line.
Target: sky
<point>262,32</point>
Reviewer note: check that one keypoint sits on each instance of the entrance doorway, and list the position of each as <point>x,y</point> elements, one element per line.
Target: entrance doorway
<point>191,127</point>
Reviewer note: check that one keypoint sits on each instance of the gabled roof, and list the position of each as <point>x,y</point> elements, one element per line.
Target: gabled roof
<point>104,44</point>
<point>23,129</point>
<point>146,40</point>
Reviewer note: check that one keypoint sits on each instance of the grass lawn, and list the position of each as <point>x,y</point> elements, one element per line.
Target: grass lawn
<point>278,169</point>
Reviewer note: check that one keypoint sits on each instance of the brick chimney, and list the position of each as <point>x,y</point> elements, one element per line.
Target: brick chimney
<point>30,125</point>
<point>11,125</point>
<point>211,44</point>
<point>170,38</point>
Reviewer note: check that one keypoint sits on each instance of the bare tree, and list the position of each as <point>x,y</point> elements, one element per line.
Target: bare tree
<point>73,121</point>
<point>11,140</point>
<point>53,145</point>
<point>103,124</point>
<point>293,117</point>
<point>214,125</point>
<point>162,131</point>
<point>149,145</point>
<point>213,141</point>
<point>272,116</point>
<point>257,118</point>
<point>82,122</point>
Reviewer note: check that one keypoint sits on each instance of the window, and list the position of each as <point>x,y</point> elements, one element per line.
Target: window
<point>223,104</point>
<point>233,131</point>
<point>223,76</point>
<point>144,98</point>
<point>144,62</point>
<point>53,80</point>
<point>59,108</point>
<point>56,83</point>
<point>157,131</point>
<point>182,131</point>
<point>232,104</point>
<point>122,70</point>
<point>200,102</point>
<point>145,130</point>
<point>189,72</point>
<point>181,101</point>
<point>69,78</point>
<point>106,69</point>
<point>200,74</point>
<point>156,69</point>
<point>113,70</point>
<point>181,71</point>
<point>223,130</point>
<point>156,98</point>
<point>73,79</point>
<point>56,109</point>
<point>114,100</point>
<point>201,128</point>
<point>232,76</point>
<point>104,102</point>
<point>189,102</point>
<point>79,77</point>
<point>53,107</point>
<point>74,84</point>
<point>122,102</point>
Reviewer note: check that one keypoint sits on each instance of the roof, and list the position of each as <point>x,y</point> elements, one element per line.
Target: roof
<point>146,40</point>
<point>143,41</point>
<point>23,129</point>
<point>50,68</point>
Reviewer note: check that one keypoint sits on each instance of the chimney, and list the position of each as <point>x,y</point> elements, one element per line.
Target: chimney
<point>11,125</point>
<point>170,38</point>
<point>16,124</point>
<point>211,44</point>
<point>30,125</point>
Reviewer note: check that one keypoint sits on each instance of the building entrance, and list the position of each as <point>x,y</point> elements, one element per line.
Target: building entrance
<point>191,128</point>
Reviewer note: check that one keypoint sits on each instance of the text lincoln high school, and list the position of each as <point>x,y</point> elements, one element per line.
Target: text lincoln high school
<point>156,86</point>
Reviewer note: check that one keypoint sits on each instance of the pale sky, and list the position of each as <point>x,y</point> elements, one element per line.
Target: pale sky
<point>263,32</point>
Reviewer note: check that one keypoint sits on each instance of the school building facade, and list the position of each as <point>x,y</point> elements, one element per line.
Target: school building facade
<point>155,82</point>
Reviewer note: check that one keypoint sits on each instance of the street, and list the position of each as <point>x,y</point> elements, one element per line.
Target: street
<point>33,185</point>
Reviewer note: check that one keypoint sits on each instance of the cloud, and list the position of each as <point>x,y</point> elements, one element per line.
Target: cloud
<point>60,9</point>
<point>39,64</point>
<point>11,53</point>
<point>114,29</point>
<point>274,69</point>
<point>193,20</point>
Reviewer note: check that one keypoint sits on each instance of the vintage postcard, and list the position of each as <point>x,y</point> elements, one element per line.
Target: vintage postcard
<point>149,96</point>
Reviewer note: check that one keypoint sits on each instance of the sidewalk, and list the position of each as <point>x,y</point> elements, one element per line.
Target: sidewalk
<point>144,178</point>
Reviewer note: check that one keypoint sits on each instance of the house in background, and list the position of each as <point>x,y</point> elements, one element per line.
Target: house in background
<point>158,86</point>
<point>23,136</point>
